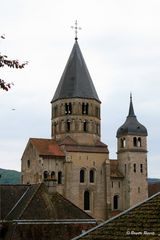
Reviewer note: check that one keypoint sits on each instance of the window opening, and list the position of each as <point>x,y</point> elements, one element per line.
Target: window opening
<point>45,175</point>
<point>53,175</point>
<point>115,202</point>
<point>60,177</point>
<point>55,111</point>
<point>125,168</point>
<point>135,142</point>
<point>139,142</point>
<point>141,168</point>
<point>85,126</point>
<point>28,163</point>
<point>68,125</point>
<point>86,200</point>
<point>85,108</point>
<point>91,176</point>
<point>82,176</point>
<point>123,142</point>
<point>68,108</point>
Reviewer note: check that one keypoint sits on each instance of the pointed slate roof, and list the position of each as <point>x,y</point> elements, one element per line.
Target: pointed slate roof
<point>76,81</point>
<point>131,125</point>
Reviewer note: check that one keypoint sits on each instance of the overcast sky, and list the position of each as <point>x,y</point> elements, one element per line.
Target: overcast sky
<point>120,41</point>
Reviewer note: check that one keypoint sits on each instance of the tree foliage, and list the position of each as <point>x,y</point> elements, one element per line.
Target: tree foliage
<point>4,61</point>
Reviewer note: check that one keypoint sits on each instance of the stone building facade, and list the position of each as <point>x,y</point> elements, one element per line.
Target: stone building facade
<point>75,161</point>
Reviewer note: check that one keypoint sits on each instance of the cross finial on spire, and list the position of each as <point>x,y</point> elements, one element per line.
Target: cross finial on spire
<point>76,29</point>
<point>131,96</point>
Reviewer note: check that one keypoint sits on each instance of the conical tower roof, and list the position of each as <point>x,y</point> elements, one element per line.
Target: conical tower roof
<point>131,125</point>
<point>76,81</point>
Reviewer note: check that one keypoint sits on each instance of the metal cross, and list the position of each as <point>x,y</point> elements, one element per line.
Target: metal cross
<point>76,29</point>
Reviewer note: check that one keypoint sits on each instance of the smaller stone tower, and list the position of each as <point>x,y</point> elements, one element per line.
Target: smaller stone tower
<point>132,159</point>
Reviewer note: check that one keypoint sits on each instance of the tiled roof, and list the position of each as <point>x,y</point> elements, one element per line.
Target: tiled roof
<point>37,214</point>
<point>139,222</point>
<point>76,81</point>
<point>114,172</point>
<point>47,147</point>
<point>44,230</point>
<point>23,203</point>
<point>9,196</point>
<point>34,202</point>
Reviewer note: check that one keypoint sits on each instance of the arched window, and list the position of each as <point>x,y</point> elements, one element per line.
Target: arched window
<point>134,167</point>
<point>82,176</point>
<point>92,176</point>
<point>68,125</point>
<point>28,163</point>
<point>141,168</point>
<point>123,142</point>
<point>85,108</point>
<point>59,177</point>
<point>97,129</point>
<point>68,108</point>
<point>86,200</point>
<point>135,142</point>
<point>53,175</point>
<point>97,112</point>
<point>139,142</point>
<point>125,168</point>
<point>45,175</point>
<point>55,111</point>
<point>115,202</point>
<point>85,126</point>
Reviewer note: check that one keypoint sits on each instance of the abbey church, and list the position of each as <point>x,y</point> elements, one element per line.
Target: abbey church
<point>75,162</point>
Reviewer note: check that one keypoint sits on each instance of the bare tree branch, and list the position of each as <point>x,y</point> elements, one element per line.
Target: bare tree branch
<point>4,61</point>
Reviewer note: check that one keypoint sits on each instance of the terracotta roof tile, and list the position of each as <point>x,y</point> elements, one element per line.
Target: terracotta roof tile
<point>47,147</point>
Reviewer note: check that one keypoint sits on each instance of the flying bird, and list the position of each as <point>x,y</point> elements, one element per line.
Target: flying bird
<point>3,36</point>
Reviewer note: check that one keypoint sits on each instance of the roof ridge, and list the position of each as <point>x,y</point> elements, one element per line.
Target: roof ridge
<point>27,204</point>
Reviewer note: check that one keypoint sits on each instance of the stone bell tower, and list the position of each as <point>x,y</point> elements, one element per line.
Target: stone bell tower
<point>75,105</point>
<point>132,159</point>
<point>76,128</point>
